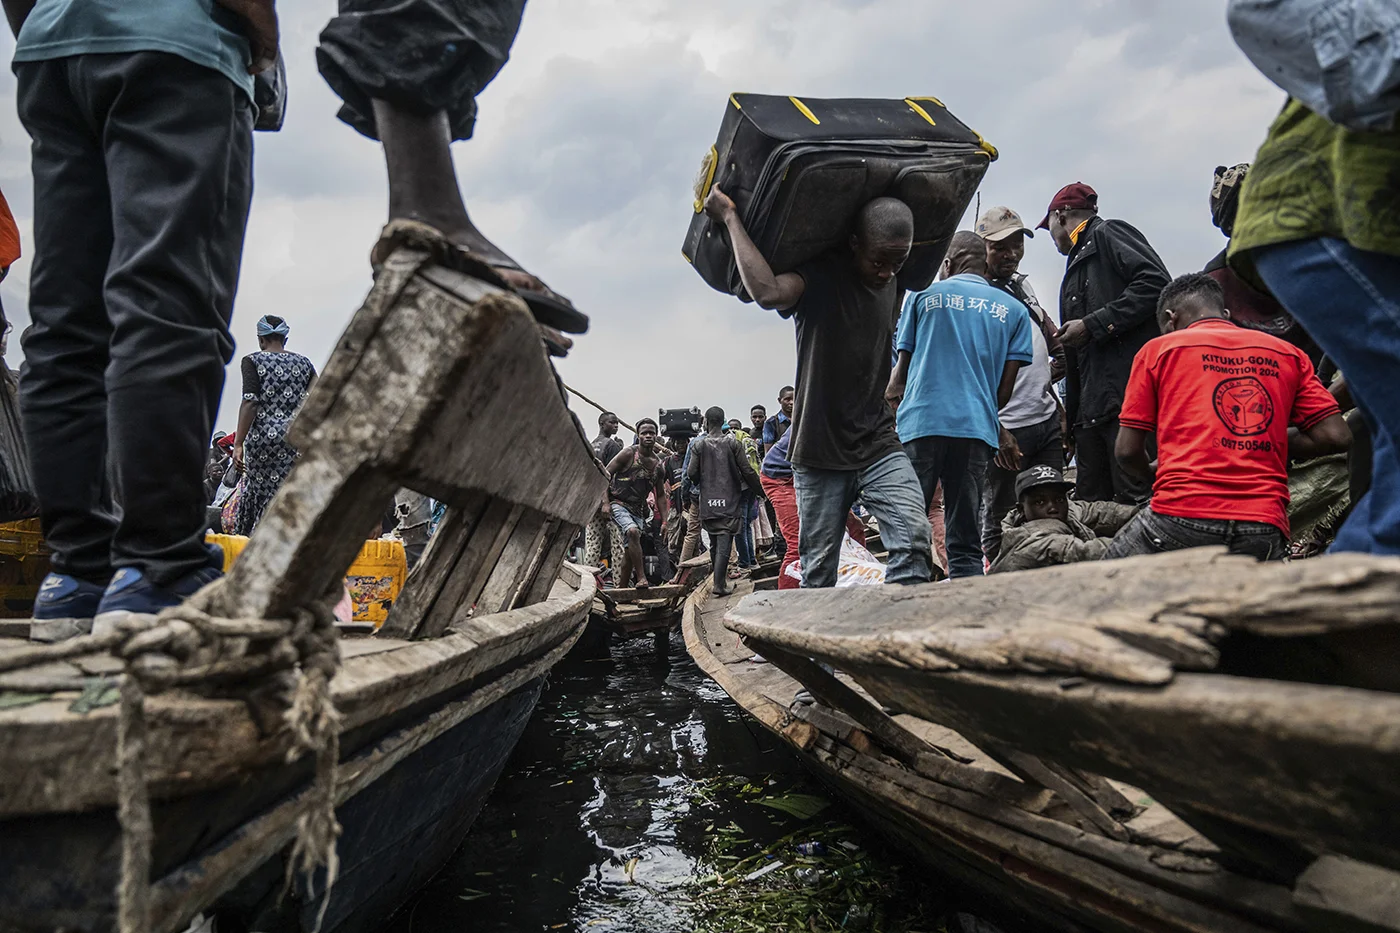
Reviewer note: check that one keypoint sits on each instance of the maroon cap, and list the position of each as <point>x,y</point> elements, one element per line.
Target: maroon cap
<point>1077,196</point>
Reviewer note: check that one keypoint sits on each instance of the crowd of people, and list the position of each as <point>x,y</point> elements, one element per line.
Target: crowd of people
<point>1192,400</point>
<point>1150,418</point>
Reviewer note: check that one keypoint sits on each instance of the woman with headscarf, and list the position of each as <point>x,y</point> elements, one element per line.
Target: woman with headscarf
<point>275,382</point>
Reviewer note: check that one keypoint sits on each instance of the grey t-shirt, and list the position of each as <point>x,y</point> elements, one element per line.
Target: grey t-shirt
<point>845,336</point>
<point>1031,399</point>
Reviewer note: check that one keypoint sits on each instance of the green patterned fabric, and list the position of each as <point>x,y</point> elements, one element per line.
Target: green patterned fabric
<point>1313,179</point>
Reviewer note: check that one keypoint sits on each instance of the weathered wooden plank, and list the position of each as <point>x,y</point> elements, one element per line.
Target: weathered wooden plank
<point>1051,776</point>
<point>1009,827</point>
<point>426,580</point>
<point>515,562</point>
<point>1342,895</point>
<point>475,562</point>
<point>551,565</point>
<point>1305,762</point>
<point>57,760</point>
<point>1136,620</point>
<point>627,594</point>
<point>434,370</point>
<point>827,688</point>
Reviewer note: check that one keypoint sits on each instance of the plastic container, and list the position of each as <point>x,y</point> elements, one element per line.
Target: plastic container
<point>22,539</point>
<point>816,847</point>
<point>374,580</point>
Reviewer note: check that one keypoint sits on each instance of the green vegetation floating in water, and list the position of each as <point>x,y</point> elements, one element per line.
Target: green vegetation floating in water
<point>848,888</point>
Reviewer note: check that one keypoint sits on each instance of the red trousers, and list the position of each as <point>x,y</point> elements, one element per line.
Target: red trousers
<point>783,495</point>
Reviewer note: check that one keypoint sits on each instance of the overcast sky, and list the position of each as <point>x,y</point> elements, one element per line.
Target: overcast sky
<point>588,143</point>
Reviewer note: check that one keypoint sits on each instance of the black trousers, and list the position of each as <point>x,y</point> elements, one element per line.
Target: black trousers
<point>1041,444</point>
<point>142,182</point>
<point>421,55</point>
<point>959,464</point>
<point>1100,478</point>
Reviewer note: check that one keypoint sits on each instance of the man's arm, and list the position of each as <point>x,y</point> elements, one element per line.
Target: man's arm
<point>1138,263</point>
<point>1329,436</point>
<point>259,27</point>
<point>1131,451</point>
<point>622,461</point>
<point>1008,382</point>
<point>773,292</point>
<point>247,412</point>
<point>746,471</point>
<point>1059,353</point>
<point>17,11</point>
<point>663,498</point>
<point>899,377</point>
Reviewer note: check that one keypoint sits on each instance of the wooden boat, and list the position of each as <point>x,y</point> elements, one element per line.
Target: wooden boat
<point>434,370</point>
<point>622,613</point>
<point>1186,742</point>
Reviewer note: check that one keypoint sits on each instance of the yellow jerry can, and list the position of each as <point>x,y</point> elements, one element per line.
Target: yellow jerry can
<point>374,580</point>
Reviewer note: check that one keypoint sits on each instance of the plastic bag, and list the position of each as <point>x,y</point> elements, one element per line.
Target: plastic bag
<point>858,566</point>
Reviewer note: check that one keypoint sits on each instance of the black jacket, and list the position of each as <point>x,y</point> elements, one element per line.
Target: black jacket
<point>1112,279</point>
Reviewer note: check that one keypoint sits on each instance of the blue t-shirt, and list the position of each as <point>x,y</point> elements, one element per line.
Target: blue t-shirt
<point>775,464</point>
<point>960,333</point>
<point>199,31</point>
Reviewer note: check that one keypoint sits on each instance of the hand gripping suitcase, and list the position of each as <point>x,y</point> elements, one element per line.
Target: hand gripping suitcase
<point>800,169</point>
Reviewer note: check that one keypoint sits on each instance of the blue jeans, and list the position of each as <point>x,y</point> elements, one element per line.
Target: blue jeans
<point>959,463</point>
<point>744,539</point>
<point>889,488</point>
<point>1349,301</point>
<point>1149,532</point>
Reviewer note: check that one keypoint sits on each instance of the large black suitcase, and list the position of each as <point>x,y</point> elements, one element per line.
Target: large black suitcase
<point>800,169</point>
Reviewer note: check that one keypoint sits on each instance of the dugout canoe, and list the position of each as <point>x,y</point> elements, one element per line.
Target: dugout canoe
<point>433,370</point>
<point>1254,705</point>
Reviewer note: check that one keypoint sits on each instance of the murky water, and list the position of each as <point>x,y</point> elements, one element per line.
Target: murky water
<point>640,799</point>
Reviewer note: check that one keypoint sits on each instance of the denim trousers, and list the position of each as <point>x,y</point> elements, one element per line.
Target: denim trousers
<point>889,488</point>
<point>1150,532</point>
<point>1348,300</point>
<point>744,539</point>
<point>959,464</point>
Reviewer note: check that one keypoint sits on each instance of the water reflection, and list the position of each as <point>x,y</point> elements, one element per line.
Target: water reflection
<point>623,797</point>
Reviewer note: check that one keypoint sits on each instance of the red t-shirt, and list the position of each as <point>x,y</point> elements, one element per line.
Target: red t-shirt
<point>1220,399</point>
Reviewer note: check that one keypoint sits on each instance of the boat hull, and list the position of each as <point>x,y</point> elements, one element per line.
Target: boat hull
<point>399,832</point>
<point>1015,855</point>
<point>395,835</point>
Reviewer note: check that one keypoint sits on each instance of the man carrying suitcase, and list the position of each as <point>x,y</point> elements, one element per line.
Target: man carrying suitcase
<point>845,305</point>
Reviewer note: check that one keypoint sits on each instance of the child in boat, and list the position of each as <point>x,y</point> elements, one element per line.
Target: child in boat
<point>1047,528</point>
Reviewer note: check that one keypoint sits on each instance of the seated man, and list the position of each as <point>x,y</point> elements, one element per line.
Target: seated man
<point>633,475</point>
<point>1047,528</point>
<point>722,473</point>
<point>1220,399</point>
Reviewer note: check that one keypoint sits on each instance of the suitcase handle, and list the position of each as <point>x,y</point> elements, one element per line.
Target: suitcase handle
<point>705,178</point>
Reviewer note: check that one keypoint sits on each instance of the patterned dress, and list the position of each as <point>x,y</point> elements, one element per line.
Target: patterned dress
<point>278,382</point>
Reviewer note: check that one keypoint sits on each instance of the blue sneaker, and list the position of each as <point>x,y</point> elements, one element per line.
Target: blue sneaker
<point>64,608</point>
<point>130,594</point>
